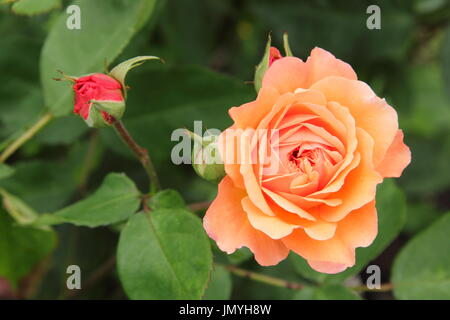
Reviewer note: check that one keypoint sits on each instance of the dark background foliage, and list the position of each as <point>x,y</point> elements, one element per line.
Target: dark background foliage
<point>211,48</point>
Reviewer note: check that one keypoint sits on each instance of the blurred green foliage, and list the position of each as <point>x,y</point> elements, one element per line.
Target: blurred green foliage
<point>211,48</point>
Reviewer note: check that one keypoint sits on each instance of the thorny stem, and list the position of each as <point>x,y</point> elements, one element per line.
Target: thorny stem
<point>141,153</point>
<point>27,135</point>
<point>292,285</point>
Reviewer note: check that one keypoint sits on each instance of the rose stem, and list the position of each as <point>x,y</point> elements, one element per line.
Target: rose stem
<point>264,278</point>
<point>88,162</point>
<point>199,205</point>
<point>27,135</point>
<point>291,285</point>
<point>141,153</point>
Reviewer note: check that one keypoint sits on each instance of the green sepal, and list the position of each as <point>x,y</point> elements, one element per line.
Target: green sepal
<point>95,118</point>
<point>262,67</point>
<point>120,71</point>
<point>114,108</point>
<point>287,47</point>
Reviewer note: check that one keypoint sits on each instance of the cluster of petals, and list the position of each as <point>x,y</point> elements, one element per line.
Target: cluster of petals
<point>331,140</point>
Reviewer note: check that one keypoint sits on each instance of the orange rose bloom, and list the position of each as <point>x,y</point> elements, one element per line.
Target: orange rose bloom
<point>331,140</point>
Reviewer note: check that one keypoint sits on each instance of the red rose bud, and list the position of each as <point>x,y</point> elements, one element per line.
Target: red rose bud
<point>274,54</point>
<point>271,54</point>
<point>99,99</point>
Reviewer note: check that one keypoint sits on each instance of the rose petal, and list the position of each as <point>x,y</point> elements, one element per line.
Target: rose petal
<point>332,250</point>
<point>360,227</point>
<point>226,222</point>
<point>371,113</point>
<point>397,158</point>
<point>251,182</point>
<point>351,159</point>
<point>327,267</point>
<point>286,75</point>
<point>271,226</point>
<point>250,114</point>
<point>359,187</point>
<point>321,230</point>
<point>228,146</point>
<point>288,206</point>
<point>321,64</point>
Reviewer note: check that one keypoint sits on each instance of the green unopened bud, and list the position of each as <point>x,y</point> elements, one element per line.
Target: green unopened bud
<point>206,159</point>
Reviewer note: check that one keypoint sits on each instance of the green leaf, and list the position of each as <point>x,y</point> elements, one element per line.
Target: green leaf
<point>32,7</point>
<point>63,130</point>
<point>391,208</point>
<point>115,200</point>
<point>106,28</point>
<point>167,199</point>
<point>422,268</point>
<point>21,247</point>
<point>326,292</point>
<point>45,186</point>
<point>219,287</point>
<point>164,255</point>
<point>19,210</point>
<point>5,171</point>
